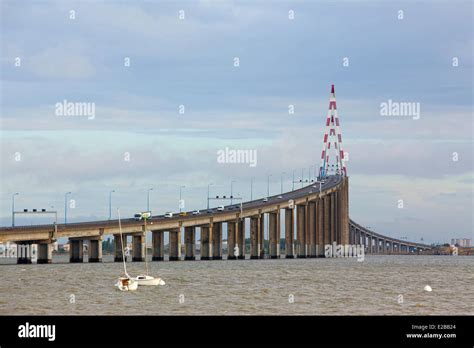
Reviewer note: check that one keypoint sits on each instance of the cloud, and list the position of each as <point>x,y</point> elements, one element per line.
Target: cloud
<point>64,61</point>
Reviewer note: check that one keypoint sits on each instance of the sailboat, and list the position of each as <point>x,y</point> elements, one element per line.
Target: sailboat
<point>145,279</point>
<point>124,283</point>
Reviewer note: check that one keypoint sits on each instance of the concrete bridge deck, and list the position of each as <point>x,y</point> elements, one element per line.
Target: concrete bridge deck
<point>318,217</point>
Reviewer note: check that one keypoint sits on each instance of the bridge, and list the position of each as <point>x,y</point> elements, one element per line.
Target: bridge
<point>314,218</point>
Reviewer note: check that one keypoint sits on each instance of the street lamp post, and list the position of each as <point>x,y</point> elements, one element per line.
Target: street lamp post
<point>208,197</point>
<point>13,208</point>
<point>180,195</point>
<point>110,204</point>
<point>148,199</point>
<point>302,174</point>
<point>231,190</point>
<point>251,188</point>
<point>281,183</point>
<point>268,185</point>
<point>293,187</point>
<point>65,206</point>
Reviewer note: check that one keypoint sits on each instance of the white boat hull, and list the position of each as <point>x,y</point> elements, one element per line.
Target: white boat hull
<point>126,284</point>
<point>148,281</point>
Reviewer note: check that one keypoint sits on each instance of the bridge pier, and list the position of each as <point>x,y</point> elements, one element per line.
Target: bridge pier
<point>190,243</point>
<point>24,252</point>
<point>332,219</point>
<point>274,235</point>
<point>327,221</point>
<point>312,207</point>
<point>357,237</point>
<point>320,228</point>
<point>45,253</point>
<point>95,249</point>
<point>289,233</point>
<point>254,234</point>
<point>118,244</point>
<point>261,236</point>
<point>306,234</point>
<point>76,250</point>
<point>217,241</point>
<point>175,244</point>
<point>300,231</point>
<point>345,211</point>
<point>338,217</point>
<point>138,247</point>
<point>231,239</point>
<point>158,245</point>
<point>240,237</point>
<point>206,242</point>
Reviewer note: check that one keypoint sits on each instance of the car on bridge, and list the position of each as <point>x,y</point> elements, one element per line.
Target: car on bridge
<point>143,215</point>
<point>168,214</point>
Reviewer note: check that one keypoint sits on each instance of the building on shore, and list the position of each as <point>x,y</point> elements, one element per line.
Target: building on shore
<point>462,242</point>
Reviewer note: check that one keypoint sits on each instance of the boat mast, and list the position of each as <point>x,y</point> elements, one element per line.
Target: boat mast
<point>121,243</point>
<point>146,261</point>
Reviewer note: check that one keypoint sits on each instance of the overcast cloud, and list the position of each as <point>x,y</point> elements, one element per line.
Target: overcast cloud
<point>190,62</point>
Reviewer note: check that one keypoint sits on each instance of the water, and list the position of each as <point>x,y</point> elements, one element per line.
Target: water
<point>246,287</point>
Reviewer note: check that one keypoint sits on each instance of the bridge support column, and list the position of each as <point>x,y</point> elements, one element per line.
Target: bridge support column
<point>278,233</point>
<point>23,252</point>
<point>217,241</point>
<point>76,250</point>
<point>206,242</point>
<point>158,245</point>
<point>332,219</point>
<point>307,237</point>
<point>240,237</point>
<point>274,229</point>
<point>138,247</point>
<point>391,247</point>
<point>326,221</point>
<point>231,239</point>
<point>289,233</point>
<point>254,234</point>
<point>45,253</point>
<point>261,236</point>
<point>338,216</point>
<point>190,243</point>
<point>312,229</point>
<point>320,228</point>
<point>175,244</point>
<point>95,250</point>
<point>345,211</point>
<point>300,231</point>
<point>118,245</point>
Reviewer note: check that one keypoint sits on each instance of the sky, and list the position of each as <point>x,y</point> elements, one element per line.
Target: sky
<point>160,120</point>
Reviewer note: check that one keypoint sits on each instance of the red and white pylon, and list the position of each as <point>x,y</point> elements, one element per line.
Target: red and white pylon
<point>332,156</point>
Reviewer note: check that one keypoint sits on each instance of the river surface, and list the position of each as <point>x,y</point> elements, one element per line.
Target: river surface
<point>378,285</point>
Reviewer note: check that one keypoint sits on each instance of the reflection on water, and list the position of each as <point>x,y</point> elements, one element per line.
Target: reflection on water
<point>243,287</point>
